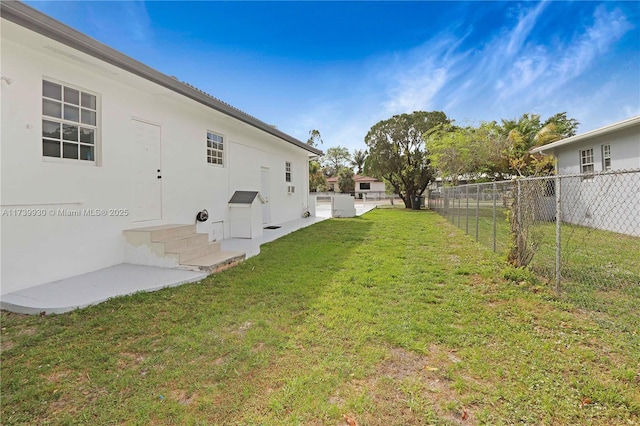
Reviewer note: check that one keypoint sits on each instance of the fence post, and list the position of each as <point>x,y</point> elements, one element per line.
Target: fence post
<point>519,227</point>
<point>519,209</point>
<point>459,193</point>
<point>452,205</point>
<point>477,210</point>
<point>466,196</point>
<point>495,196</point>
<point>558,229</point>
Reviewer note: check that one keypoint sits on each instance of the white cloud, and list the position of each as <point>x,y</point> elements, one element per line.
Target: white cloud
<point>138,20</point>
<point>582,52</point>
<point>515,70</point>
<point>416,79</point>
<point>517,37</point>
<point>512,73</point>
<point>416,89</point>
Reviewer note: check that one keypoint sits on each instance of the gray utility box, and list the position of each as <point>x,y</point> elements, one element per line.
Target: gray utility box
<point>245,218</point>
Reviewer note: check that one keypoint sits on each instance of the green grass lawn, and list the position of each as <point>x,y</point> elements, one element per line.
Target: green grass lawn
<point>393,318</point>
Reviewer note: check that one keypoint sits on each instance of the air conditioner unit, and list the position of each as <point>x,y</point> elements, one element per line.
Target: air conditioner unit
<point>291,189</point>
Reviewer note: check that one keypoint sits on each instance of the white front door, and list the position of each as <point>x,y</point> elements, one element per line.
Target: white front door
<point>147,196</point>
<point>264,191</point>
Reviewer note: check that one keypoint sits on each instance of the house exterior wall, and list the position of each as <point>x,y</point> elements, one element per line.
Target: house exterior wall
<point>375,187</point>
<point>625,151</point>
<point>59,239</point>
<point>605,201</point>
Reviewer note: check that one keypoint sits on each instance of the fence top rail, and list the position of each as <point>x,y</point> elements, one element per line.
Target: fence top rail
<point>533,178</point>
<point>580,175</point>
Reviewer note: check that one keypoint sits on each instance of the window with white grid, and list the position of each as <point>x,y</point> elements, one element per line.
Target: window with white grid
<point>606,157</point>
<point>215,148</point>
<point>69,122</point>
<point>287,171</point>
<point>586,162</point>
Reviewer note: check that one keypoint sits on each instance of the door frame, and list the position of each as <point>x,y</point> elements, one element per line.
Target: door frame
<point>265,183</point>
<point>155,172</point>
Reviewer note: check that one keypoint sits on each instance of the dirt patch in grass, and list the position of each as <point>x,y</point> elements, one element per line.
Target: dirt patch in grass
<point>58,376</point>
<point>183,397</point>
<point>64,405</point>
<point>408,388</point>
<point>127,359</point>
<point>6,344</point>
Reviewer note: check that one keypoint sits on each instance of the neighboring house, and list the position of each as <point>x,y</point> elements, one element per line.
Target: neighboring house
<point>94,143</point>
<point>603,200</point>
<point>364,186</point>
<point>612,147</point>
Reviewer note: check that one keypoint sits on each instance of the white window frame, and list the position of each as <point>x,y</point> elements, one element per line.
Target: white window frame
<point>77,121</point>
<point>288,171</point>
<point>606,157</point>
<point>586,163</point>
<point>215,148</point>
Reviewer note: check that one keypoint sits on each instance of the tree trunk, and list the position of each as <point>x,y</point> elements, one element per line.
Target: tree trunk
<point>407,201</point>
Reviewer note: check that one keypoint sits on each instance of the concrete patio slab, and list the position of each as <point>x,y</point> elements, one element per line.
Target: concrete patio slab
<point>95,287</point>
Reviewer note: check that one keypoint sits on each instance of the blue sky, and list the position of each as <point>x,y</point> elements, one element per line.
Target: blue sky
<point>340,67</point>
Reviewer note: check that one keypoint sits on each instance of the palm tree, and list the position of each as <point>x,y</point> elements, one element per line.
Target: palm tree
<point>359,157</point>
<point>528,132</point>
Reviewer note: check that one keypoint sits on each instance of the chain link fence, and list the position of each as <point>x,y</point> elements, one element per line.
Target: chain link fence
<point>581,228</point>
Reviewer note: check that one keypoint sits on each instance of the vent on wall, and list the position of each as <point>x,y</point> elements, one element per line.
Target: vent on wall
<point>291,189</point>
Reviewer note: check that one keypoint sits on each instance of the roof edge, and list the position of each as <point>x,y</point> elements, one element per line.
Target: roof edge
<point>620,125</point>
<point>34,20</point>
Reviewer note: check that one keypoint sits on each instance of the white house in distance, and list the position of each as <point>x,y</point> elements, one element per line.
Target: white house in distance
<point>94,143</point>
<point>371,187</point>
<point>605,191</point>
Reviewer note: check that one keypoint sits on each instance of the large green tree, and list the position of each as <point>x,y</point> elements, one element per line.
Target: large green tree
<point>317,180</point>
<point>398,155</point>
<point>497,151</point>
<point>467,152</point>
<point>335,160</point>
<point>345,180</point>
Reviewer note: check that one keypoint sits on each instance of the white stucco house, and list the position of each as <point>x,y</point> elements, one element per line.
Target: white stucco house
<point>603,189</point>
<point>94,143</point>
<point>364,186</point>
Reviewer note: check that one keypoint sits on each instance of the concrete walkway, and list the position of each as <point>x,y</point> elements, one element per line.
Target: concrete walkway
<point>95,287</point>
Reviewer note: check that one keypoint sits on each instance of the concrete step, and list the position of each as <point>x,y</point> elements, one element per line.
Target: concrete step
<point>190,241</point>
<point>217,262</point>
<point>171,232</point>
<point>178,245</point>
<point>185,254</point>
<point>159,233</point>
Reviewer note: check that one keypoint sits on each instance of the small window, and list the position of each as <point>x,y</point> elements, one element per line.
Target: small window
<point>287,171</point>
<point>215,148</point>
<point>365,186</point>
<point>69,122</point>
<point>586,162</point>
<point>606,157</point>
